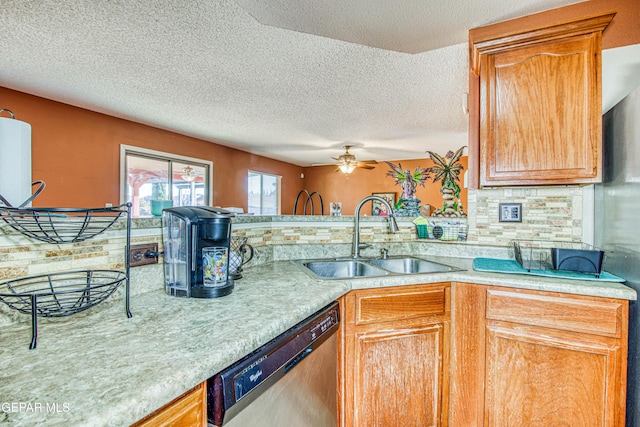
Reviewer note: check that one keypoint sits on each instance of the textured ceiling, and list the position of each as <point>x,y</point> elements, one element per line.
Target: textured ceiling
<point>293,80</point>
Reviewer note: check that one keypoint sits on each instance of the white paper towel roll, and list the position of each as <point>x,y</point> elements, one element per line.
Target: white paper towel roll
<point>15,160</point>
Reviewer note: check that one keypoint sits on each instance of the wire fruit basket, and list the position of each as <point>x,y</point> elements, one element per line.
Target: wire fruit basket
<point>61,225</point>
<point>64,293</point>
<point>60,294</point>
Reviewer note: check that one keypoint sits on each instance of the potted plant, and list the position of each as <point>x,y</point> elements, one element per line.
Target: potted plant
<point>408,204</point>
<point>447,171</point>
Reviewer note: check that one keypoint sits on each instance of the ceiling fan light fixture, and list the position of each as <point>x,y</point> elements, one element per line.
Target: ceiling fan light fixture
<point>188,174</point>
<point>346,168</point>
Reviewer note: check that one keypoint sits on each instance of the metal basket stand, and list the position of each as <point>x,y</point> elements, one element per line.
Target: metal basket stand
<point>63,294</point>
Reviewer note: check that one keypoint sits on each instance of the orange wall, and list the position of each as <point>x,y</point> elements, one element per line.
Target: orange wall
<point>77,153</point>
<point>350,189</point>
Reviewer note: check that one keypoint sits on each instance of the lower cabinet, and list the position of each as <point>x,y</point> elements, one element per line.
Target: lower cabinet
<point>527,358</point>
<point>394,364</point>
<point>468,355</point>
<point>188,410</point>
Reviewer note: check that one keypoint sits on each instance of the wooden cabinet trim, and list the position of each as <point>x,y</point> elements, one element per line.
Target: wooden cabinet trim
<point>576,314</point>
<point>491,44</point>
<point>467,355</point>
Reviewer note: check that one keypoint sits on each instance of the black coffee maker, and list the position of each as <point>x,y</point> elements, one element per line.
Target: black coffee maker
<point>196,251</point>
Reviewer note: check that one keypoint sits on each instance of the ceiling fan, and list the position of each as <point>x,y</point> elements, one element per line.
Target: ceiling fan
<point>347,162</point>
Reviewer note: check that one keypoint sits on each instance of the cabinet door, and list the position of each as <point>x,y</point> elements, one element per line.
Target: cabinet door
<point>540,123</point>
<point>533,358</point>
<point>540,105</point>
<point>398,377</point>
<point>395,357</point>
<point>538,378</point>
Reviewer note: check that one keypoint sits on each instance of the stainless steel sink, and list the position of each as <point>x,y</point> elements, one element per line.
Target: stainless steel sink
<point>343,269</point>
<point>340,268</point>
<point>410,265</point>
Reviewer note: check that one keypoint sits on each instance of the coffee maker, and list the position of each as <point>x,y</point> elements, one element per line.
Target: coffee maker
<point>196,251</point>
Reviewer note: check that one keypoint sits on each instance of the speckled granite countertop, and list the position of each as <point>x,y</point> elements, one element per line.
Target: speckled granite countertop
<point>98,368</point>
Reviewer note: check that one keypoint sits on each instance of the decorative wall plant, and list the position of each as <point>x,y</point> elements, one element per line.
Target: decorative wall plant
<point>447,170</point>
<point>408,204</point>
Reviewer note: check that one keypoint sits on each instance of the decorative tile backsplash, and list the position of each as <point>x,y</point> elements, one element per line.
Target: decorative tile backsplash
<point>553,213</point>
<point>549,213</point>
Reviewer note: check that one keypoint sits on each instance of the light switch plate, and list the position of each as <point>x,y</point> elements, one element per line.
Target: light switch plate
<point>510,212</point>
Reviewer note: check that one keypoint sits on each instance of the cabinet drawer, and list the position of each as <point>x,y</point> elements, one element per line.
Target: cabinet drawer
<point>387,305</point>
<point>570,313</point>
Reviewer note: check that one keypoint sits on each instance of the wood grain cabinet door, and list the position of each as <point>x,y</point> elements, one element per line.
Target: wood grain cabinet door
<point>524,358</point>
<point>398,377</point>
<point>537,378</point>
<point>541,114</point>
<point>394,363</point>
<point>540,105</point>
<point>554,359</point>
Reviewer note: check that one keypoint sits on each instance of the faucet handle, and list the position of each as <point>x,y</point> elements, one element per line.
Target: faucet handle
<point>384,253</point>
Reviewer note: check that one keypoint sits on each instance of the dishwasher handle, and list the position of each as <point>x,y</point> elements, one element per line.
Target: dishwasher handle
<point>298,359</point>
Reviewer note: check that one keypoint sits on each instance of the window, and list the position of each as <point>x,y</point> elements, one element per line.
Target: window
<point>152,180</point>
<point>263,192</point>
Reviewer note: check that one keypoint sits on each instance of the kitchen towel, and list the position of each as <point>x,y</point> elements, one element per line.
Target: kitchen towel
<point>511,266</point>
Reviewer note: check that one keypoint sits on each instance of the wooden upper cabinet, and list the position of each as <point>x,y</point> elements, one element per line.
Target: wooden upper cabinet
<point>537,119</point>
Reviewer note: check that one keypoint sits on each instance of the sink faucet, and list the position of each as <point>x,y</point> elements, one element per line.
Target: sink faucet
<point>393,226</point>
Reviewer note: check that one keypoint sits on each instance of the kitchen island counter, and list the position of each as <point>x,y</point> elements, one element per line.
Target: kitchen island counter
<point>99,368</point>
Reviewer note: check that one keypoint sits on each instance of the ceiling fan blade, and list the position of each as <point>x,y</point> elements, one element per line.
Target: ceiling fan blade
<point>365,166</point>
<point>371,162</point>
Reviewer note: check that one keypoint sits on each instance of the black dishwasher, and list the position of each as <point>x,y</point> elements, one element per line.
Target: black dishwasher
<point>291,380</point>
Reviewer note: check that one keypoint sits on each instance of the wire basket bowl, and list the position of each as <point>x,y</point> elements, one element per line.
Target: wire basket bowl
<point>61,225</point>
<point>60,294</point>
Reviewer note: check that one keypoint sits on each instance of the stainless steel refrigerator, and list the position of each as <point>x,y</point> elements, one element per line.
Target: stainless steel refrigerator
<point>617,221</point>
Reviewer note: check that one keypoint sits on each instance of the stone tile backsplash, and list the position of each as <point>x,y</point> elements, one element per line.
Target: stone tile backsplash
<point>549,213</point>
<point>553,213</point>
